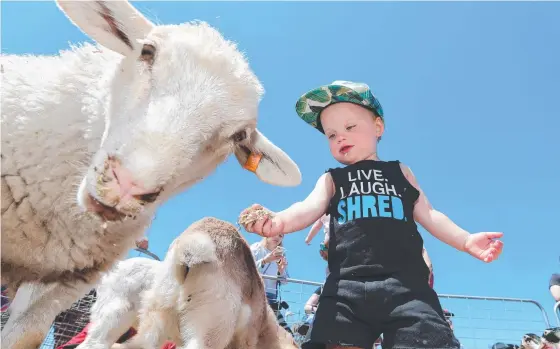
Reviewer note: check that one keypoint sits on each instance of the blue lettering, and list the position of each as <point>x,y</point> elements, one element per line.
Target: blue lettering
<point>354,211</point>
<point>398,210</point>
<point>383,203</point>
<point>368,206</point>
<point>342,211</point>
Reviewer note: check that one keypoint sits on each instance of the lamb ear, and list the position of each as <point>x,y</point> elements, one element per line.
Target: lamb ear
<point>115,24</point>
<point>270,163</point>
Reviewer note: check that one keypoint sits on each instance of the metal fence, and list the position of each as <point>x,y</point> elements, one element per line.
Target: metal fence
<point>556,312</point>
<point>72,321</point>
<point>478,322</point>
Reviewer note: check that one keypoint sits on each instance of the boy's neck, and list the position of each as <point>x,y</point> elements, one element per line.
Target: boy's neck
<point>372,156</point>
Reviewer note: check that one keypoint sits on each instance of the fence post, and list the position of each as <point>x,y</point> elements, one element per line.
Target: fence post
<point>556,312</point>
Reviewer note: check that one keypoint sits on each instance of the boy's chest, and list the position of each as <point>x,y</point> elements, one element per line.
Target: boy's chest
<point>370,193</point>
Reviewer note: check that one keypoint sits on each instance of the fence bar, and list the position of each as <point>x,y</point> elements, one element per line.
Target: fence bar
<point>556,312</point>
<point>146,252</point>
<point>295,281</point>
<point>518,300</point>
<point>484,318</point>
<point>480,321</point>
<point>442,295</point>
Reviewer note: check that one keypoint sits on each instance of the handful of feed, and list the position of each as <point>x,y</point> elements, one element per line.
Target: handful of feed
<point>253,214</point>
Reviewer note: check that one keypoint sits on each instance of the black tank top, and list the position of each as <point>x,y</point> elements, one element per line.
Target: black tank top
<point>372,229</point>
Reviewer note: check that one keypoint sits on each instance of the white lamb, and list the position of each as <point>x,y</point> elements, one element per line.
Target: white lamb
<point>119,296</point>
<point>206,294</point>
<point>100,134</point>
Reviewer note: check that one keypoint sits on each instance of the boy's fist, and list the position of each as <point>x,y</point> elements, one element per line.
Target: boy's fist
<point>259,220</point>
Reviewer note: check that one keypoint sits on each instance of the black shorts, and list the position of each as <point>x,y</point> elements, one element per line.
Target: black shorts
<point>356,312</point>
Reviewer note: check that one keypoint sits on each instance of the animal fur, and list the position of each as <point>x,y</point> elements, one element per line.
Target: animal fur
<point>168,103</point>
<point>208,294</point>
<point>118,302</point>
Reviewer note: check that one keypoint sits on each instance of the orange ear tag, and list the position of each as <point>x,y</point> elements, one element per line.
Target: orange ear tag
<point>252,162</point>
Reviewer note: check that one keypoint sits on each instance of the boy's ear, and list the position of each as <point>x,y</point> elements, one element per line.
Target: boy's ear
<point>379,127</point>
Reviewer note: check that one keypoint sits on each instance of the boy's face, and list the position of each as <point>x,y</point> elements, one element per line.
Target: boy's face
<point>352,132</point>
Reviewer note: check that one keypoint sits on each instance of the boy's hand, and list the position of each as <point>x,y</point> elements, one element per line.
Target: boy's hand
<point>259,220</point>
<point>483,246</point>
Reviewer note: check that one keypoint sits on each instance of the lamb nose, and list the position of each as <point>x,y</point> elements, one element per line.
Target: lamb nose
<point>128,187</point>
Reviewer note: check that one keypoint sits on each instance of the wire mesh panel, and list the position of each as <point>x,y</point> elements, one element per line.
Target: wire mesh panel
<point>69,323</point>
<point>5,316</point>
<point>295,293</point>
<point>478,322</point>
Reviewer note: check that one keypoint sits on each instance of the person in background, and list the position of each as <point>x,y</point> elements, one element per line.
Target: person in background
<point>271,260</point>
<point>322,222</point>
<point>429,264</point>
<point>324,253</point>
<point>448,316</point>
<point>554,286</point>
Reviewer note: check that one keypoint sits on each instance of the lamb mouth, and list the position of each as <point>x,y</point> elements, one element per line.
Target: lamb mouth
<point>107,213</point>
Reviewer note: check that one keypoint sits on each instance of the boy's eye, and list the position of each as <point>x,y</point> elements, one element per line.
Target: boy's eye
<point>348,128</point>
<point>331,136</point>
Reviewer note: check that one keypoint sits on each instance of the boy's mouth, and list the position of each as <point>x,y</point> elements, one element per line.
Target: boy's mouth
<point>345,149</point>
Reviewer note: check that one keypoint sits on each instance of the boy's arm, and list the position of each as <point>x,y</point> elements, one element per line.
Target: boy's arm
<point>304,213</point>
<point>435,222</point>
<point>482,246</point>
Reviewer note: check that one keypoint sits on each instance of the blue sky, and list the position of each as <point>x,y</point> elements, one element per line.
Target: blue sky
<point>470,92</point>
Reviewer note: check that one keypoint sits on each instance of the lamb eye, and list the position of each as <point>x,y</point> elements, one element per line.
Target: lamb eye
<point>240,136</point>
<point>148,53</point>
<point>148,197</point>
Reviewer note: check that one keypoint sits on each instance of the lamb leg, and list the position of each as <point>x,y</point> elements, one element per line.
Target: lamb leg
<point>28,330</point>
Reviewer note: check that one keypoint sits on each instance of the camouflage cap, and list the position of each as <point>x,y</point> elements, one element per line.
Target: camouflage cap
<point>310,105</point>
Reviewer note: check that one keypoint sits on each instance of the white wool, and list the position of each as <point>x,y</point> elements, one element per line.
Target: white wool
<point>206,290</point>
<point>170,121</point>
